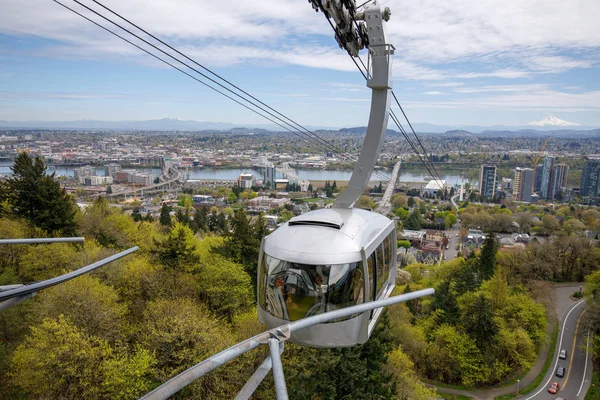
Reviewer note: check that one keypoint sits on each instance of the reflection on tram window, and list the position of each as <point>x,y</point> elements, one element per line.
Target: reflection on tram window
<point>293,291</point>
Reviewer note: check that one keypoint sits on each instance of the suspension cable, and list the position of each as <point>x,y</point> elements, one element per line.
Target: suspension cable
<point>319,141</point>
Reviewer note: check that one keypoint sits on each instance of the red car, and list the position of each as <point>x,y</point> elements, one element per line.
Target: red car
<point>554,388</point>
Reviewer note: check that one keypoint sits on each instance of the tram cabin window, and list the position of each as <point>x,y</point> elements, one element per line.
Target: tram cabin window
<point>293,291</point>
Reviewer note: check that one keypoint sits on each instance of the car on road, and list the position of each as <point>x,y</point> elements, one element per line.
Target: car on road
<point>562,355</point>
<point>555,387</point>
<point>560,372</point>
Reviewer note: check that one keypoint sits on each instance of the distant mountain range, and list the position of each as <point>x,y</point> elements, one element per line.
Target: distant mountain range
<point>549,125</point>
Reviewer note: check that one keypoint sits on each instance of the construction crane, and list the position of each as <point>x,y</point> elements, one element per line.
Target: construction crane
<point>535,162</point>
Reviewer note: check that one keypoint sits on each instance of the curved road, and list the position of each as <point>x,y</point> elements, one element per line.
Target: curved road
<point>578,363</point>
<point>571,337</point>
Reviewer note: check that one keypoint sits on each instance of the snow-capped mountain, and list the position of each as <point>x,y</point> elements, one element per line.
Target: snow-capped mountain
<point>551,120</point>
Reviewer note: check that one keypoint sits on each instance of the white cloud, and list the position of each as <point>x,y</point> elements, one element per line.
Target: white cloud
<point>433,93</point>
<point>508,39</point>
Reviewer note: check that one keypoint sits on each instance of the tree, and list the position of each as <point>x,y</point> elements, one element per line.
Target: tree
<point>58,360</point>
<point>39,198</point>
<point>225,287</point>
<point>487,260</point>
<point>477,317</point>
<point>450,220</point>
<point>201,218</point>
<point>525,221</point>
<point>165,217</point>
<point>402,213</point>
<point>408,384</point>
<point>356,372</point>
<point>445,300</point>
<point>411,201</point>
<point>365,202</point>
<point>310,187</point>
<point>231,197</point>
<point>549,224</point>
<point>178,250</point>
<point>92,306</point>
<point>399,200</point>
<point>413,222</point>
<point>573,227</point>
<point>243,244</point>
<point>181,333</point>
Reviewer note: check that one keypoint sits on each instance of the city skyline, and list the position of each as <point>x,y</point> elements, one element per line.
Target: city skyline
<point>465,63</point>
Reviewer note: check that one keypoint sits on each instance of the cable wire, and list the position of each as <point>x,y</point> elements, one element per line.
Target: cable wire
<point>310,134</point>
<point>211,72</point>
<point>321,142</point>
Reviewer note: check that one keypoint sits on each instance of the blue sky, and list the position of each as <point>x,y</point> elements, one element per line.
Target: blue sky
<point>458,62</point>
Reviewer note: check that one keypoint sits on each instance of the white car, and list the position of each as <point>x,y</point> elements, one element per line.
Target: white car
<point>562,355</point>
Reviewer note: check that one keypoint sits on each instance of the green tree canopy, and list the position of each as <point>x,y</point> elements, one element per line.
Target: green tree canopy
<point>39,198</point>
<point>58,360</point>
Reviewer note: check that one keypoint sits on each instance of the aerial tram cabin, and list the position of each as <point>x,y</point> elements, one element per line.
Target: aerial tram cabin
<point>322,261</point>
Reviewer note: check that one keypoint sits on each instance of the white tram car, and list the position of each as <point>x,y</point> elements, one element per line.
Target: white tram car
<point>325,260</point>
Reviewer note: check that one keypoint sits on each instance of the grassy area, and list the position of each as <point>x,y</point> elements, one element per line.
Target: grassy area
<point>537,380</point>
<point>594,391</point>
<point>453,396</point>
<point>445,385</point>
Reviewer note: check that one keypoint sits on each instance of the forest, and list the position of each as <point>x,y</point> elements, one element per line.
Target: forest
<point>189,292</point>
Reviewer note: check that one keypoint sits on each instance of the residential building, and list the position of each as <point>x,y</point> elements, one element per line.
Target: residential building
<point>590,177</point>
<point>561,172</point>
<point>111,170</point>
<point>246,181</point>
<point>269,175</point>
<point>97,180</point>
<point>548,177</point>
<point>538,177</point>
<point>523,184</point>
<point>81,173</point>
<point>487,181</point>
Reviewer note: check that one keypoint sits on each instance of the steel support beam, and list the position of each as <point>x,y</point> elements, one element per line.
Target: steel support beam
<point>188,376</point>
<point>43,240</point>
<point>280,388</point>
<point>22,291</point>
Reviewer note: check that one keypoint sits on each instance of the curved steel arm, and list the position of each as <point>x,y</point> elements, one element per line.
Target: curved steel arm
<point>380,81</point>
<point>188,376</point>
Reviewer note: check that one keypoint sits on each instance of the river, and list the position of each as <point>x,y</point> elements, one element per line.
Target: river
<point>223,174</point>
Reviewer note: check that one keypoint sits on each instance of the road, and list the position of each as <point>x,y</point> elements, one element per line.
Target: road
<point>568,312</point>
<point>578,364</point>
<point>453,240</point>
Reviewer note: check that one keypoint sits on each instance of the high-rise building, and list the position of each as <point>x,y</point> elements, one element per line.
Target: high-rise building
<point>269,176</point>
<point>538,177</point>
<point>246,181</point>
<point>516,183</point>
<point>590,177</point>
<point>526,185</point>
<point>561,172</point>
<point>547,187</point>
<point>487,181</point>
<point>523,184</point>
<point>111,169</point>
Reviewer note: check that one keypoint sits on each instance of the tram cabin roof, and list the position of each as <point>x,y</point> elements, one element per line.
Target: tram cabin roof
<point>327,236</point>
